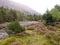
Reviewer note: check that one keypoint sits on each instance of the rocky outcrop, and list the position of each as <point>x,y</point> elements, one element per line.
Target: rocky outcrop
<point>3,34</point>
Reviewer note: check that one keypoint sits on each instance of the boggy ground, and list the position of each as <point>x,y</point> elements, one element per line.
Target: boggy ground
<point>39,35</point>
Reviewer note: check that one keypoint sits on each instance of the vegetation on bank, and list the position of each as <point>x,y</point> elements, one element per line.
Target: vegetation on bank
<point>31,37</point>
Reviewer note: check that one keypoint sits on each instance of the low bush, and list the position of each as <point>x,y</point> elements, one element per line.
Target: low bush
<point>14,27</point>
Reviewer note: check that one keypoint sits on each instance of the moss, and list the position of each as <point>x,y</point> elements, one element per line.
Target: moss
<point>7,41</point>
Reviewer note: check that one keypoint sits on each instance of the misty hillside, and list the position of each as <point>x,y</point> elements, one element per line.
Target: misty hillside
<point>16,6</point>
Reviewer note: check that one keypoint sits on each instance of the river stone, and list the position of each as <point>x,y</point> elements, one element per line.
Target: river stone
<point>3,34</point>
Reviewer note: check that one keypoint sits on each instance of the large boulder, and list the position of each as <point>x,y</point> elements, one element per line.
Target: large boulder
<point>3,34</point>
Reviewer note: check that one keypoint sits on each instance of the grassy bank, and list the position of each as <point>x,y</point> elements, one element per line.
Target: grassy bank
<point>32,39</point>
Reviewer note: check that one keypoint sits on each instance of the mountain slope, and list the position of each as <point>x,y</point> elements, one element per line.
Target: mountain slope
<point>16,6</point>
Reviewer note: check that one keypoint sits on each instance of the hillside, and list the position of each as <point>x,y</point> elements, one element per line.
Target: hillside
<point>17,6</point>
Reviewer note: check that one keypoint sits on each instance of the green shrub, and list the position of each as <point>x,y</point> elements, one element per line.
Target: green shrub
<point>15,27</point>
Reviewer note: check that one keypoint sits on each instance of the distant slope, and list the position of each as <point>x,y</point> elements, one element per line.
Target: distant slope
<point>16,6</point>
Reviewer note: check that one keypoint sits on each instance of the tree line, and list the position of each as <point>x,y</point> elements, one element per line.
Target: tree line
<point>52,16</point>
<point>8,15</point>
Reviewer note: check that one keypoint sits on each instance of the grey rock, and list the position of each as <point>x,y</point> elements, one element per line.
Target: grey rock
<point>3,34</point>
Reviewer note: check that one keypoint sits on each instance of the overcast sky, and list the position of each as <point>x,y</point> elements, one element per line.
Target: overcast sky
<point>39,5</point>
